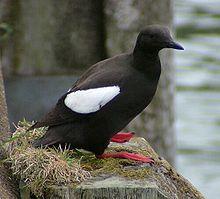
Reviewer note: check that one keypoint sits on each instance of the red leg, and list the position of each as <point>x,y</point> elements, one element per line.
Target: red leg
<point>126,155</point>
<point>122,137</point>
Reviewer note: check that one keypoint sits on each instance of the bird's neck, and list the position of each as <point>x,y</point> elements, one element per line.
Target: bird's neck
<point>146,61</point>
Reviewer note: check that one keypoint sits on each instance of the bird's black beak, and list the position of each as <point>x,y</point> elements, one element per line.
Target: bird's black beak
<point>174,45</point>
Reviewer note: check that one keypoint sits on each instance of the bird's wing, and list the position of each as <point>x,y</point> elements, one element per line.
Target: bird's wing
<point>60,114</point>
<point>90,100</point>
<point>88,95</point>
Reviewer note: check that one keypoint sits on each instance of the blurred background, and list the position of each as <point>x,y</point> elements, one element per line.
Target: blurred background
<point>50,43</point>
<point>197,24</point>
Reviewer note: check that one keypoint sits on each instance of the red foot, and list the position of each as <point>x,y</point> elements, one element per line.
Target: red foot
<point>126,155</point>
<point>122,137</point>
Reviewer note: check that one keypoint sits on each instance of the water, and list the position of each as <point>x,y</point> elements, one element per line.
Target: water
<point>198,93</point>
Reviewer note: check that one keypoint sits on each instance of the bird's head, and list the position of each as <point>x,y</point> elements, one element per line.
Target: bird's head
<point>156,37</point>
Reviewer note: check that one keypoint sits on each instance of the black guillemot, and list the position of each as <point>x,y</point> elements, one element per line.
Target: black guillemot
<point>107,97</point>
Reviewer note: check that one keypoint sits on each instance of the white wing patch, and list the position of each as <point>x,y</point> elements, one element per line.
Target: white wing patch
<point>91,100</point>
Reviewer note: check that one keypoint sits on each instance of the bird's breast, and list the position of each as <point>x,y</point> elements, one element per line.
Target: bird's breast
<point>135,96</point>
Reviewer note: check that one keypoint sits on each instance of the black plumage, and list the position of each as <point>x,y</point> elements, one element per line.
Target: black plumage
<point>136,74</point>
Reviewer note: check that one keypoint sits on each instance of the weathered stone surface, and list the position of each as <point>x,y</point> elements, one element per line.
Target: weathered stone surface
<point>110,187</point>
<point>127,179</point>
<point>4,124</point>
<point>8,187</point>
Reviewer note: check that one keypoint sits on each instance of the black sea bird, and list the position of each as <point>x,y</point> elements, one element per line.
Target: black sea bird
<point>107,97</point>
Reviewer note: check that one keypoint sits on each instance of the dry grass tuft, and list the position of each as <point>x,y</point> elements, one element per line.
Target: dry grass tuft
<point>40,168</point>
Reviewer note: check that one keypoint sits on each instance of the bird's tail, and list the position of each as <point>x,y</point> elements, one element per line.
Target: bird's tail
<point>50,138</point>
<point>35,125</point>
<point>37,143</point>
<point>41,142</point>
